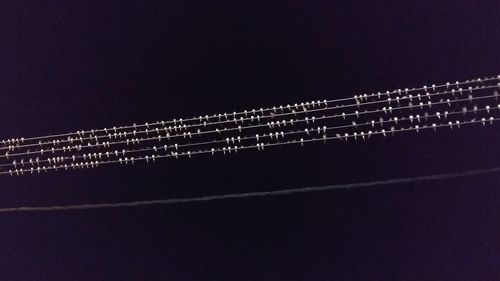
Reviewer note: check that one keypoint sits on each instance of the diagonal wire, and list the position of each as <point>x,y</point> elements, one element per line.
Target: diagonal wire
<point>163,123</point>
<point>155,149</point>
<point>247,195</point>
<point>236,148</point>
<point>159,137</point>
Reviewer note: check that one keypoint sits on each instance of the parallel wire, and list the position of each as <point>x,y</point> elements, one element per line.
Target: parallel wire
<point>254,118</point>
<point>185,154</point>
<point>368,123</point>
<point>125,134</point>
<point>399,91</point>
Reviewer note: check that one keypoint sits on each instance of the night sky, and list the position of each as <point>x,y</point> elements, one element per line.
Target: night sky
<point>70,65</point>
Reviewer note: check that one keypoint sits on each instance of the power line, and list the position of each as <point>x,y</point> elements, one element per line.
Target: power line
<point>324,138</point>
<point>298,120</point>
<point>247,195</point>
<point>71,156</point>
<point>335,115</point>
<point>387,93</point>
<point>402,119</point>
<point>242,119</point>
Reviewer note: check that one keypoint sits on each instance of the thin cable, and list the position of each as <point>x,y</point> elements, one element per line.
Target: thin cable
<point>125,134</point>
<point>247,195</point>
<point>149,149</point>
<point>403,119</point>
<point>236,148</point>
<point>257,126</point>
<point>185,127</point>
<point>399,91</point>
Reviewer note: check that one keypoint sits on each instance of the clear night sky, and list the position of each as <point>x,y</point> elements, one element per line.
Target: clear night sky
<point>68,65</point>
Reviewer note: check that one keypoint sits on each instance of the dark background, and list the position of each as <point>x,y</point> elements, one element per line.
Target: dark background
<point>68,65</point>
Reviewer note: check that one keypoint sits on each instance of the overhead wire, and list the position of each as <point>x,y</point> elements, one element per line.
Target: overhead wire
<point>163,123</point>
<point>54,161</point>
<point>125,134</point>
<point>248,195</point>
<point>234,149</point>
<point>245,138</point>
